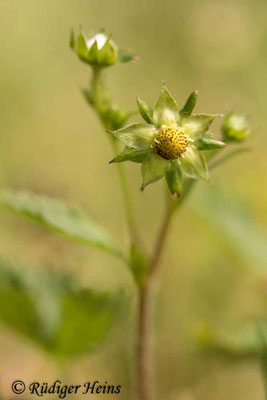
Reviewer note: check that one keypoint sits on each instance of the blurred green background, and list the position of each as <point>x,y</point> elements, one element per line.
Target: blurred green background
<point>52,143</point>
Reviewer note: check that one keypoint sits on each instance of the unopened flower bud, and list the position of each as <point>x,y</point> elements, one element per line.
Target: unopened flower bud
<point>98,50</point>
<point>235,127</point>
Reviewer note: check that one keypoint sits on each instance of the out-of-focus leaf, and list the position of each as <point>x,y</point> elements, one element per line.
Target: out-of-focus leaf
<point>234,221</point>
<point>54,311</point>
<point>262,336</point>
<point>59,218</point>
<point>238,342</point>
<point>125,56</point>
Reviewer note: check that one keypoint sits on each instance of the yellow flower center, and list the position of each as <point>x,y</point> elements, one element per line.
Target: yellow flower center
<point>170,142</point>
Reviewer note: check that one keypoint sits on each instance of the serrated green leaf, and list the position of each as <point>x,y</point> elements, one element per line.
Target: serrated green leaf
<point>145,111</point>
<point>54,311</point>
<point>59,218</point>
<point>130,154</point>
<point>189,106</point>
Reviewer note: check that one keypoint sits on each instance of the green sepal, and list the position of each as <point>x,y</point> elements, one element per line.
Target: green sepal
<point>81,47</point>
<point>108,54</point>
<point>130,154</point>
<point>93,54</point>
<point>174,178</point>
<point>125,56</point>
<point>72,40</point>
<point>153,169</point>
<point>145,111</point>
<point>194,164</point>
<point>139,264</point>
<point>198,124</point>
<point>138,136</point>
<point>209,144</point>
<point>166,110</point>
<point>189,106</point>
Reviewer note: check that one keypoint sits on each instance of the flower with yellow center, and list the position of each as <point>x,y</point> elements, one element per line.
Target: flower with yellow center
<point>171,142</point>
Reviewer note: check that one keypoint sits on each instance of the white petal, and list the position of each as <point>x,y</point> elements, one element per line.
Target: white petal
<point>99,38</point>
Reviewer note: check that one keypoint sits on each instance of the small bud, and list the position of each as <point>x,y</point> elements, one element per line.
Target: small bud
<point>235,127</point>
<point>186,111</point>
<point>174,178</point>
<point>145,111</point>
<point>98,50</point>
<point>206,143</point>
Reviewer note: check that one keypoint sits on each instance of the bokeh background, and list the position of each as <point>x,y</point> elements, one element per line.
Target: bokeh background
<point>51,142</point>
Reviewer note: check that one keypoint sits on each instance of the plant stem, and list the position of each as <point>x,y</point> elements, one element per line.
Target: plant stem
<point>146,311</point>
<point>127,197</point>
<point>226,157</point>
<point>147,297</point>
<point>102,103</point>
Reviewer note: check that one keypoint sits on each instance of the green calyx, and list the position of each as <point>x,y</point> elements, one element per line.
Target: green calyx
<point>170,143</point>
<point>99,50</point>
